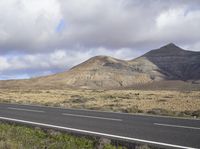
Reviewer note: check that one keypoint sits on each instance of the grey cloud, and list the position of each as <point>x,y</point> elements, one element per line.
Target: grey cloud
<point>127,23</point>
<point>31,26</point>
<point>27,25</point>
<point>43,37</point>
<point>31,65</point>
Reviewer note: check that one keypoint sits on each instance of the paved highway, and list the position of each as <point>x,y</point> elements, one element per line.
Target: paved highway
<point>160,131</point>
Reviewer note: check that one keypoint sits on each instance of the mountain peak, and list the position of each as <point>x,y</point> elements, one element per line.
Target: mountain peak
<point>171,46</point>
<point>167,63</point>
<point>167,50</point>
<point>97,61</point>
<point>102,59</point>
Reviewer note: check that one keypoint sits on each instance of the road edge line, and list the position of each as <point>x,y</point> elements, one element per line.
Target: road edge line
<point>96,133</point>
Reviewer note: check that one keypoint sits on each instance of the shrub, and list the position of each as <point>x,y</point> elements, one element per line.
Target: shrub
<point>196,113</point>
<point>132,109</point>
<point>159,111</point>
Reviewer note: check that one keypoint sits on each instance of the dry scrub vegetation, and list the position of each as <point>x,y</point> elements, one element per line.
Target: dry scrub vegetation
<point>13,136</point>
<point>22,137</point>
<point>178,103</point>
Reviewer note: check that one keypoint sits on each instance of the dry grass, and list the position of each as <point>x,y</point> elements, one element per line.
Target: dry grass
<point>111,100</point>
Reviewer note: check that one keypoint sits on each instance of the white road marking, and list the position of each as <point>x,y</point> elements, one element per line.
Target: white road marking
<point>176,126</point>
<point>89,110</point>
<point>96,133</point>
<point>95,117</point>
<point>28,110</point>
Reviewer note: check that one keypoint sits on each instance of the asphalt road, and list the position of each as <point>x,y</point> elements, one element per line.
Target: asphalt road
<point>160,131</point>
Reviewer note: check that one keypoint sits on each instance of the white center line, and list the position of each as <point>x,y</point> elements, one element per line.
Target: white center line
<point>87,116</point>
<point>97,133</point>
<point>177,126</point>
<point>28,110</point>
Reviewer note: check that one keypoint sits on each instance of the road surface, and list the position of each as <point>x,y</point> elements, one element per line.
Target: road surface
<point>161,131</point>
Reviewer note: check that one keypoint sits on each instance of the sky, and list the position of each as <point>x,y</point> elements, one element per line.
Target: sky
<point>42,37</point>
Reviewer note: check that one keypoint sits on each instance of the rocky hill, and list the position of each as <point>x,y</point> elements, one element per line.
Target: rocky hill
<point>176,63</point>
<point>168,63</point>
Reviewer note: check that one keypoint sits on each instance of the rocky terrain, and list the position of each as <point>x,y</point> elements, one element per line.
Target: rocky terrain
<point>176,63</point>
<point>168,63</point>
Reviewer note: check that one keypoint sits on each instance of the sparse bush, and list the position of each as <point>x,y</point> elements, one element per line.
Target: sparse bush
<point>196,113</point>
<point>22,137</point>
<point>78,99</point>
<point>142,147</point>
<point>126,96</point>
<point>168,96</point>
<point>48,103</point>
<point>159,111</point>
<point>186,112</point>
<point>162,100</point>
<point>13,136</point>
<point>48,92</point>
<point>110,97</point>
<point>6,100</point>
<point>132,109</point>
<point>56,104</point>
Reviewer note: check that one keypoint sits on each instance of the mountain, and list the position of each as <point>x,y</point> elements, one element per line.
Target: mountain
<point>176,63</point>
<point>168,63</point>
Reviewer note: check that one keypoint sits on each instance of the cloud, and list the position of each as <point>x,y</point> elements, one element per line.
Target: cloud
<point>42,26</point>
<point>43,37</point>
<point>32,65</point>
<point>4,64</point>
<point>177,25</point>
<point>27,25</point>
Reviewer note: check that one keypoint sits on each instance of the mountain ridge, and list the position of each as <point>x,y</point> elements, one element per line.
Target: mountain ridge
<point>166,63</point>
<point>169,49</point>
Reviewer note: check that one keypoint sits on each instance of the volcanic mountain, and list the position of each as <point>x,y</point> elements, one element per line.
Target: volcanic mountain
<point>164,64</point>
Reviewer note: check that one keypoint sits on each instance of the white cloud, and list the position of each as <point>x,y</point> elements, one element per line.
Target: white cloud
<point>31,25</point>
<point>178,25</point>
<point>193,47</point>
<point>40,37</point>
<point>55,61</point>
<point>3,64</point>
<point>27,24</point>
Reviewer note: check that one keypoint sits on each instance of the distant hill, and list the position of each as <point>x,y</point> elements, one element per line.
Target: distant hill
<point>168,63</point>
